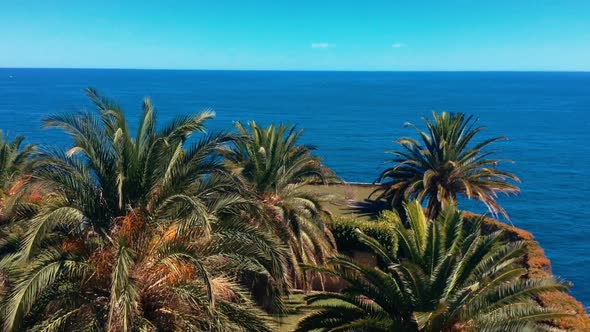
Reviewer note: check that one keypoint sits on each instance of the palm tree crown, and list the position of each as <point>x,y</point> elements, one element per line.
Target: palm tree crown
<point>445,165</point>
<point>445,276</point>
<point>108,171</point>
<point>271,158</point>
<point>137,233</point>
<point>276,168</point>
<point>13,158</point>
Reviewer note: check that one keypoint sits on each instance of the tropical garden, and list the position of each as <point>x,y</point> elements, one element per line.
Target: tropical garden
<point>171,228</point>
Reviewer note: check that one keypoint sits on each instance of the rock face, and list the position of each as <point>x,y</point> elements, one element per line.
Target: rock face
<point>539,266</point>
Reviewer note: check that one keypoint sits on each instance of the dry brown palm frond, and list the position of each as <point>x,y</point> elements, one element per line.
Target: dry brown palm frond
<point>131,225</point>
<point>102,260</point>
<point>224,288</point>
<point>73,245</point>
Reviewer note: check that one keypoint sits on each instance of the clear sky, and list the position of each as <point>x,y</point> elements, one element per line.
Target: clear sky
<point>297,35</point>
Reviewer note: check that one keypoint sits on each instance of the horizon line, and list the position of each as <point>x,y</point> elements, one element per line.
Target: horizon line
<point>317,70</point>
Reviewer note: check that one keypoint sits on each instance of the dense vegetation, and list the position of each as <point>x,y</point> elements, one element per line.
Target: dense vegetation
<point>444,276</point>
<point>171,228</point>
<point>275,169</point>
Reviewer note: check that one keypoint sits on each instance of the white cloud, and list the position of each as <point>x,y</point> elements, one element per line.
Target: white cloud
<point>397,45</point>
<point>322,45</point>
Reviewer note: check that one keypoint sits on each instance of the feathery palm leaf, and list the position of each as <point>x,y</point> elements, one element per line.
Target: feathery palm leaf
<point>136,232</point>
<point>442,278</point>
<point>445,164</point>
<point>270,162</point>
<point>13,159</point>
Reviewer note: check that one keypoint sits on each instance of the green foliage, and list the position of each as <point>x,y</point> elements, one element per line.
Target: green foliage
<point>446,164</point>
<point>270,162</point>
<point>137,232</point>
<point>270,159</point>
<point>443,277</point>
<point>347,240</point>
<point>153,231</point>
<point>14,157</point>
<point>14,160</point>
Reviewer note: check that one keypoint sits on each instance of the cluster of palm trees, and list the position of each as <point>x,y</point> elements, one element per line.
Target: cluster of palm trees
<point>164,231</point>
<point>441,273</point>
<point>157,231</point>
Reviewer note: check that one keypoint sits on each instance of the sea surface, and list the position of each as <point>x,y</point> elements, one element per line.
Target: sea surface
<point>353,117</point>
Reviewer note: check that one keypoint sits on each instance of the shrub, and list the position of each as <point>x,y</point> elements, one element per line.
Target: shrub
<point>381,229</point>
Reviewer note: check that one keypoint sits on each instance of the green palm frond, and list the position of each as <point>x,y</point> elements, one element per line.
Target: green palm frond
<point>446,276</point>
<point>56,322</point>
<point>124,296</point>
<point>14,159</point>
<point>271,162</point>
<point>125,220</point>
<point>446,163</point>
<point>37,275</point>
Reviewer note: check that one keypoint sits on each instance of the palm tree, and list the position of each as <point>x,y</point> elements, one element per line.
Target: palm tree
<point>445,276</point>
<point>108,171</point>
<point>109,187</point>
<point>276,169</point>
<point>14,158</point>
<point>151,277</point>
<point>445,165</point>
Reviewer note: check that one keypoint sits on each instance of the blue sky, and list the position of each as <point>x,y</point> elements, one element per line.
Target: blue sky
<point>297,35</point>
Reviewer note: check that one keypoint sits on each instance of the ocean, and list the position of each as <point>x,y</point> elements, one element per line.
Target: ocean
<point>353,117</point>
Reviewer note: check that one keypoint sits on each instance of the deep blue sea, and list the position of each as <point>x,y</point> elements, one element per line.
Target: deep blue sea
<point>353,117</point>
